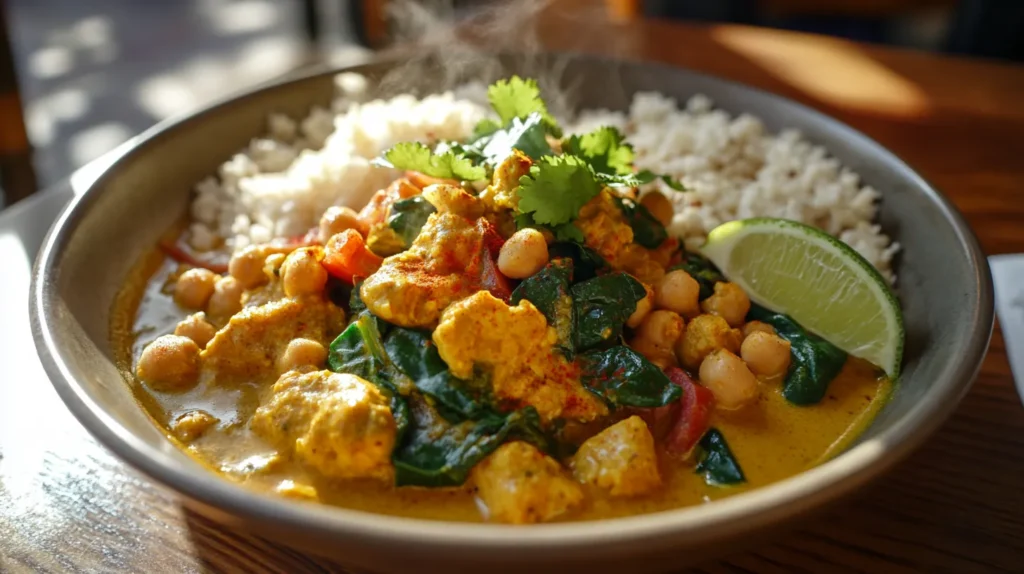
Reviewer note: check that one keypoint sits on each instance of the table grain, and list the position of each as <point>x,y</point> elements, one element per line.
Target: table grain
<point>956,505</point>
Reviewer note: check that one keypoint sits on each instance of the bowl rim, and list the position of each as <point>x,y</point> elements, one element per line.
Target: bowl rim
<point>736,514</point>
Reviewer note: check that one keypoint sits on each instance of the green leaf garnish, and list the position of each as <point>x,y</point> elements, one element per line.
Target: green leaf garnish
<point>525,135</point>
<point>518,98</point>
<point>604,148</point>
<point>414,156</point>
<point>556,189</point>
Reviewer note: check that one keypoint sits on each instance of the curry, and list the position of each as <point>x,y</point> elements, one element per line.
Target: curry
<point>501,334</point>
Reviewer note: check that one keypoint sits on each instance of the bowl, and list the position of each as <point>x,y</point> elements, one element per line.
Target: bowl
<point>944,288</point>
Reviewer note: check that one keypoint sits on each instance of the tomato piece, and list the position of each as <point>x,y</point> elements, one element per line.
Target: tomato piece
<point>375,211</point>
<point>492,280</point>
<point>694,416</point>
<point>660,420</point>
<point>346,257</point>
<point>482,271</point>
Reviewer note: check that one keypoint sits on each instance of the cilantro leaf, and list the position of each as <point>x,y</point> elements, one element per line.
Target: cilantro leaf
<point>637,179</point>
<point>650,176</point>
<point>518,98</point>
<point>568,232</point>
<point>611,157</point>
<point>415,156</point>
<point>605,148</point>
<point>556,189</point>
<point>526,135</point>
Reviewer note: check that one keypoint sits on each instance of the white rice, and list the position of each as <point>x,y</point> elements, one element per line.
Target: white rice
<point>280,185</point>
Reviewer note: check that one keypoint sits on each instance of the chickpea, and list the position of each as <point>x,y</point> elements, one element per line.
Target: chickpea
<point>678,292</point>
<point>755,326</point>
<point>226,299</point>
<point>194,288</point>
<point>302,273</point>
<point>272,265</point>
<point>662,328</point>
<point>301,353</point>
<point>766,354</point>
<point>659,206</point>
<point>729,379</point>
<point>197,328</point>
<point>524,254</point>
<point>729,302</point>
<point>704,335</point>
<point>170,363</point>
<point>247,265</point>
<point>643,307</point>
<point>337,219</point>
<point>657,335</point>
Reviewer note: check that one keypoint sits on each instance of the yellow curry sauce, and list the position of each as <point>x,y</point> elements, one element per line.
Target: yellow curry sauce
<point>772,439</point>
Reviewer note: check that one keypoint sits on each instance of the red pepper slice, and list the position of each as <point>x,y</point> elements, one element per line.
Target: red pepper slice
<point>346,257</point>
<point>694,417</point>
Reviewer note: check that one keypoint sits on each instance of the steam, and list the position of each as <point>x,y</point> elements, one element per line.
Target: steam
<point>443,52</point>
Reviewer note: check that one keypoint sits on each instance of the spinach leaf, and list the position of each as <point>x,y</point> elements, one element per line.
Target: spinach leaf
<point>623,377</point>
<point>415,355</point>
<point>359,351</point>
<point>548,290</point>
<point>437,453</point>
<point>601,307</point>
<point>586,263</point>
<point>437,443</point>
<point>647,230</point>
<point>701,269</point>
<point>814,361</point>
<point>526,135</point>
<point>717,463</point>
<point>407,217</point>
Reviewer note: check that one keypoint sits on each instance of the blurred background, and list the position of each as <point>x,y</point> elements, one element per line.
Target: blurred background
<point>79,77</point>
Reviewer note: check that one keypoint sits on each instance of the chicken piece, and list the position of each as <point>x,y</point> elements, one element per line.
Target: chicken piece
<point>454,199</point>
<point>518,346</point>
<point>606,230</point>
<point>521,485</point>
<point>620,459</point>
<point>501,194</point>
<point>443,265</point>
<point>704,335</point>
<point>247,347</point>
<point>192,425</point>
<point>604,227</point>
<point>338,424</point>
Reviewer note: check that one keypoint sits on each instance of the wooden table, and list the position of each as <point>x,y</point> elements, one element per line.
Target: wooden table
<point>957,505</point>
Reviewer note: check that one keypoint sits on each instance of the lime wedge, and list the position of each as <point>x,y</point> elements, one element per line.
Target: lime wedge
<point>819,281</point>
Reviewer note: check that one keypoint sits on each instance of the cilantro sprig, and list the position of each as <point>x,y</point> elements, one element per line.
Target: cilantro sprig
<point>611,156</point>
<point>556,189</point>
<point>518,98</point>
<point>449,164</point>
<point>604,148</point>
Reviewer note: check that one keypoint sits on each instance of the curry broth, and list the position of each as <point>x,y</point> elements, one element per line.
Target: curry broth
<point>772,441</point>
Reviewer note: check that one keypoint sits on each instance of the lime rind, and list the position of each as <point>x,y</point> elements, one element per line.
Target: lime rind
<point>885,351</point>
